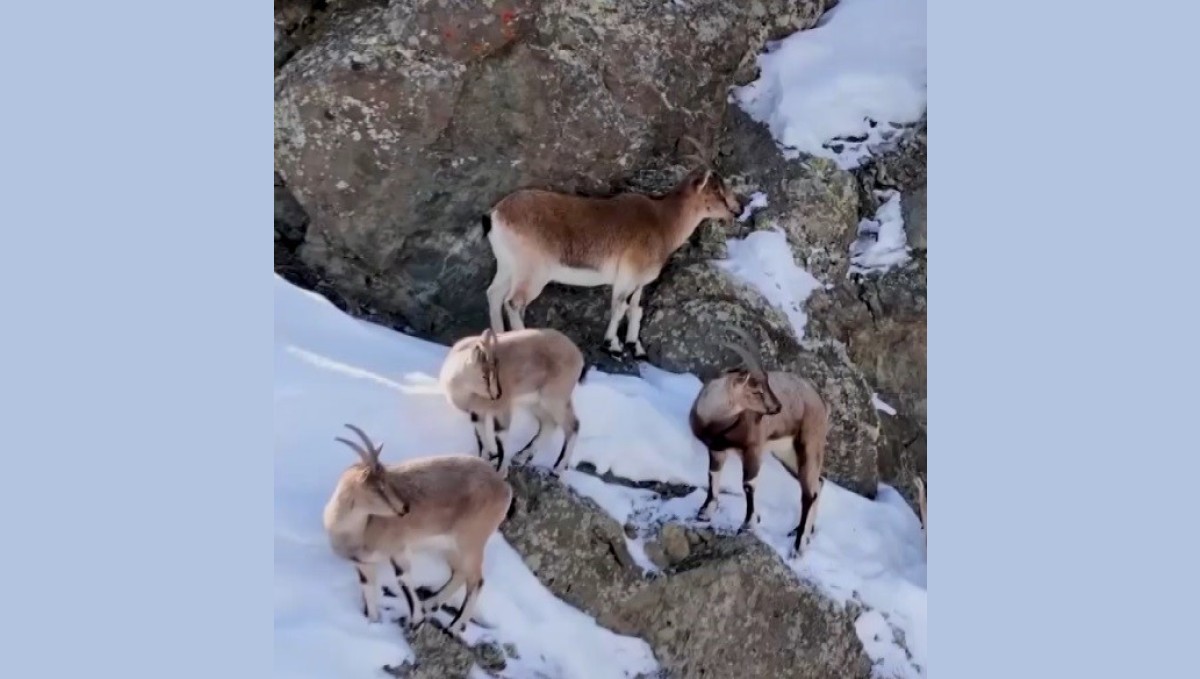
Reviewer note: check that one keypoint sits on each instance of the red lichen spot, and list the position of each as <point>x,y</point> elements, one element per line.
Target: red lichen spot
<point>507,16</point>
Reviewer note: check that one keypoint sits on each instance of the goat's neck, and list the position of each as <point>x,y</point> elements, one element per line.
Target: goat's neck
<point>351,524</point>
<point>682,219</point>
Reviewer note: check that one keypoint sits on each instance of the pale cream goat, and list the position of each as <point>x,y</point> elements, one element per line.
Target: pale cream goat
<point>448,505</point>
<point>488,376</point>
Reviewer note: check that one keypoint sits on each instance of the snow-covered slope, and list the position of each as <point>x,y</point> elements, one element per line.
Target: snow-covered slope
<point>842,88</point>
<point>331,369</point>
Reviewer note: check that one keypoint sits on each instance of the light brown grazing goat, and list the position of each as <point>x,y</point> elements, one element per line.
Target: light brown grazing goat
<point>749,411</point>
<point>539,237</point>
<point>446,505</point>
<point>489,375</point>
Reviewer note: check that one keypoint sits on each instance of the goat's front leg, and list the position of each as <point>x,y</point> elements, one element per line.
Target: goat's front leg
<point>370,589</point>
<point>477,423</point>
<point>716,462</point>
<point>633,329</point>
<point>487,436</point>
<point>490,433</point>
<point>751,464</point>
<point>401,566</point>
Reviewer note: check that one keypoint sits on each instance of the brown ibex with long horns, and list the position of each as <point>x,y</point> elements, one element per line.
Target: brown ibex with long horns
<point>749,411</point>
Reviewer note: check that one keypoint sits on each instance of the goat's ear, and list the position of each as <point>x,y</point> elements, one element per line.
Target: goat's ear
<point>701,179</point>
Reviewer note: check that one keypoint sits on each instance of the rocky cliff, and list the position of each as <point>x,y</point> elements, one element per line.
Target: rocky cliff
<point>397,124</point>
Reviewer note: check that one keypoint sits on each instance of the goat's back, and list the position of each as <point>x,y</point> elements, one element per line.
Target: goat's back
<point>451,495</point>
<point>537,358</point>
<point>802,406</point>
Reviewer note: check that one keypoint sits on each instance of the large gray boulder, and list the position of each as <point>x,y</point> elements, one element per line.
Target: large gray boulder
<point>398,125</point>
<point>726,606</point>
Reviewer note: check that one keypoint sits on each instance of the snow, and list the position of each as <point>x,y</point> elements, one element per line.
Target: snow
<point>882,243</point>
<point>758,200</point>
<point>331,369</point>
<point>764,260</point>
<point>842,89</point>
<point>880,405</point>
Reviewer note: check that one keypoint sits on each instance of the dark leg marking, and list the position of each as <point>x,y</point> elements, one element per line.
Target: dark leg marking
<point>751,464</point>
<point>499,454</point>
<point>527,445</point>
<point>408,596</point>
<point>474,417</point>
<point>806,503</point>
<point>714,466</point>
<point>429,594</point>
<point>561,453</point>
<point>362,577</point>
<point>748,489</point>
<point>458,616</point>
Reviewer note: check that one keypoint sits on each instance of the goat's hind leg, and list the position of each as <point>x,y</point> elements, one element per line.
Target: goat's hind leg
<point>622,293</point>
<point>809,477</point>
<point>633,328</point>
<point>520,295</point>
<point>432,602</point>
<point>496,294</point>
<point>569,423</point>
<point>524,455</point>
<point>473,578</point>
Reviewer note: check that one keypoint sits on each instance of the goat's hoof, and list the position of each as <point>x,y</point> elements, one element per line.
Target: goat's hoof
<point>636,349</point>
<point>614,351</point>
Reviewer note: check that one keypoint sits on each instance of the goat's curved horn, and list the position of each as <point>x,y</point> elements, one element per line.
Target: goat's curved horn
<point>371,447</point>
<point>488,341</point>
<point>366,457</point>
<point>747,358</point>
<point>701,156</point>
<point>752,358</point>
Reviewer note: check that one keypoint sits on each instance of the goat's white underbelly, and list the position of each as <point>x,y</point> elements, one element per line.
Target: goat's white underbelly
<point>581,277</point>
<point>433,543</point>
<point>527,399</point>
<point>782,449</point>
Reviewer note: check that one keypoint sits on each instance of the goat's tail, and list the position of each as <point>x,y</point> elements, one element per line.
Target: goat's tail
<point>486,221</point>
